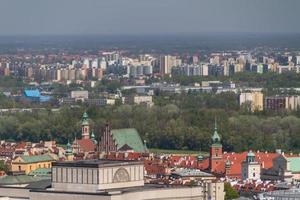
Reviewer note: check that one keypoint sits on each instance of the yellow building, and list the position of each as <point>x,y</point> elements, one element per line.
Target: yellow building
<point>28,164</point>
<point>256,100</point>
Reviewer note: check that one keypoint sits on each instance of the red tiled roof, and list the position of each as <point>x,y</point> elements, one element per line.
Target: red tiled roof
<point>236,159</point>
<point>86,145</point>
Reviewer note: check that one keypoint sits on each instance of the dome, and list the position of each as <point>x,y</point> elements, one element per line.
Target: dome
<point>250,157</point>
<point>85,115</point>
<point>85,119</point>
<point>200,157</point>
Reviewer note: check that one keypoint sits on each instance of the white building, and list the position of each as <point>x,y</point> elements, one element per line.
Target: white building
<point>250,168</point>
<point>95,63</point>
<point>298,60</point>
<point>80,95</point>
<point>109,180</point>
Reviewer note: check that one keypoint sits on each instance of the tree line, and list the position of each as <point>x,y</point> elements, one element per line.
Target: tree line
<point>183,121</point>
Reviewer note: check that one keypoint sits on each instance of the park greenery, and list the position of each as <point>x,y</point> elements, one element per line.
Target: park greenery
<point>183,122</point>
<point>176,121</point>
<point>230,192</point>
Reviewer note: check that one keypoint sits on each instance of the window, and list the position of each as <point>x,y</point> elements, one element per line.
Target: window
<point>253,174</point>
<point>20,168</point>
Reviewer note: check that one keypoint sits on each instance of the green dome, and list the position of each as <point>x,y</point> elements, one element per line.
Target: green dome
<point>69,149</point>
<point>85,115</point>
<point>200,158</point>
<point>216,139</point>
<point>250,157</point>
<point>85,119</point>
<point>250,154</point>
<point>93,135</point>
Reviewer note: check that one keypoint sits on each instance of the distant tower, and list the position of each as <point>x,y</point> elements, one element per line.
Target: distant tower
<point>215,150</point>
<point>250,167</point>
<point>93,138</point>
<point>69,152</point>
<point>85,126</point>
<point>227,167</point>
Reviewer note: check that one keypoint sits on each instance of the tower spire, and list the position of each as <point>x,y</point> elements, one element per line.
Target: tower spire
<point>215,137</point>
<point>85,126</point>
<point>215,149</point>
<point>215,123</point>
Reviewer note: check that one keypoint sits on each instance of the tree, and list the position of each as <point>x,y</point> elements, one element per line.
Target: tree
<point>3,166</point>
<point>230,192</point>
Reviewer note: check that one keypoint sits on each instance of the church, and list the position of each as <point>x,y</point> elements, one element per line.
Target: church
<point>87,143</point>
<point>121,140</point>
<point>244,165</point>
<point>111,140</point>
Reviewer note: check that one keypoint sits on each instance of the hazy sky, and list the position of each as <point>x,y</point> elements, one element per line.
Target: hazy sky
<point>147,16</point>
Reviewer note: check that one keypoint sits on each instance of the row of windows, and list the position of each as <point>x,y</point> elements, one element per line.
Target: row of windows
<point>39,166</point>
<point>75,175</point>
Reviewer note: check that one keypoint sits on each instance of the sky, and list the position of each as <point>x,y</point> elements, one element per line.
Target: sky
<point>81,17</point>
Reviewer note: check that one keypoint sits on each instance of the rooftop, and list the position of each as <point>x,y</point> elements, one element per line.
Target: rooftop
<point>96,163</point>
<point>19,179</point>
<point>37,158</point>
<point>130,137</point>
<point>41,172</point>
<point>191,172</point>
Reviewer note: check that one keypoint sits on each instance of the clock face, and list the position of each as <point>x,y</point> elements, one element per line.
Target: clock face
<point>121,175</point>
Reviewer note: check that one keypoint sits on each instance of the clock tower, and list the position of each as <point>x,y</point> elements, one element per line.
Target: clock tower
<point>85,127</point>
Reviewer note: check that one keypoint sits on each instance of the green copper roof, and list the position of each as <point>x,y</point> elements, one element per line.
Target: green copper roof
<point>250,154</point>
<point>200,157</point>
<point>85,115</point>
<point>294,163</point>
<point>69,149</point>
<point>216,139</point>
<point>128,136</point>
<point>85,119</point>
<point>93,137</point>
<point>250,157</point>
<point>20,179</point>
<point>41,172</point>
<point>35,159</point>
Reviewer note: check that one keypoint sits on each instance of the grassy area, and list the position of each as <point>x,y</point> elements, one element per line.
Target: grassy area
<point>175,151</point>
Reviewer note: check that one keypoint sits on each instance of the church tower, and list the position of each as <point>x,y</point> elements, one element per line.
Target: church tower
<point>215,150</point>
<point>69,152</point>
<point>250,167</point>
<point>85,127</point>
